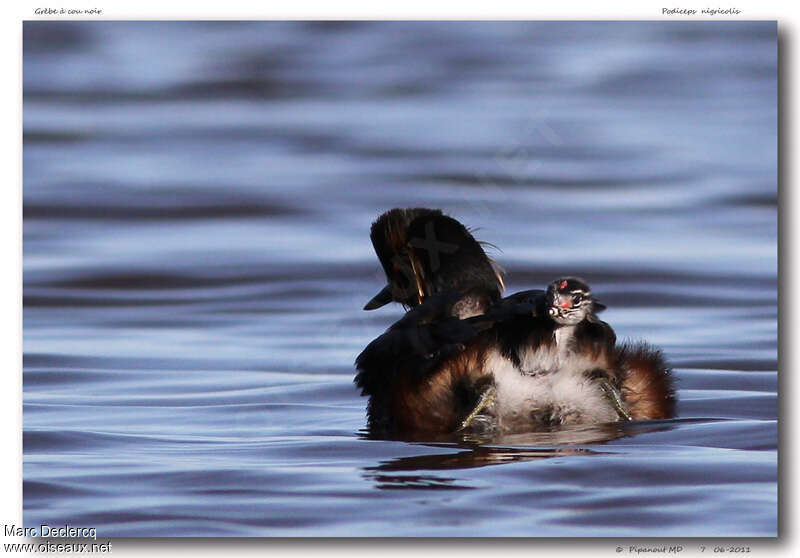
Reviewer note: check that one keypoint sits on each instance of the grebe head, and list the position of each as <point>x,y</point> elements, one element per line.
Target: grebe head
<point>424,252</point>
<point>569,301</point>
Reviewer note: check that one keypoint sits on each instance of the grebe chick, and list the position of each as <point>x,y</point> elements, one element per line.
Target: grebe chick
<point>634,377</point>
<point>558,365</point>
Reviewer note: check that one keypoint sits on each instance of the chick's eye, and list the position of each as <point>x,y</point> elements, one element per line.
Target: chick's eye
<point>577,297</point>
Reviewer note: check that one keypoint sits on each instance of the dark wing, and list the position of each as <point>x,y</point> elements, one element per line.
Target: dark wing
<point>414,345</point>
<point>533,296</point>
<point>524,303</point>
<point>428,334</point>
<point>595,334</point>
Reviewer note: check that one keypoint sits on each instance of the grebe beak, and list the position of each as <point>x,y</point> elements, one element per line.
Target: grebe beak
<point>381,299</point>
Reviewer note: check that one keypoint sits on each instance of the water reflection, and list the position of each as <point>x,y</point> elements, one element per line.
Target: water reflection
<point>546,443</point>
<point>482,452</point>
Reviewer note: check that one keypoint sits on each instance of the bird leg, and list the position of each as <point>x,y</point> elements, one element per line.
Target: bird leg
<point>615,398</point>
<point>487,397</point>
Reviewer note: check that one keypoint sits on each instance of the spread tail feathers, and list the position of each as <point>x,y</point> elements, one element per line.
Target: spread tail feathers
<point>647,383</point>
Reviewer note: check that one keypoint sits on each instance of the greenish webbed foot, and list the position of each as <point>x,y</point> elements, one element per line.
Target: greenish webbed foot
<point>488,396</point>
<point>615,398</point>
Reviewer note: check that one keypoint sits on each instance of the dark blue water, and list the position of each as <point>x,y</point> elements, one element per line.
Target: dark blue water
<point>197,199</point>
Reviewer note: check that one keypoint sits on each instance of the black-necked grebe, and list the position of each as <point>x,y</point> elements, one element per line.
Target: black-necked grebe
<point>464,358</point>
<point>422,373</point>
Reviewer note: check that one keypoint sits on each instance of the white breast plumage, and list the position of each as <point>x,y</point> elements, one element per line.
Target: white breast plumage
<point>549,380</point>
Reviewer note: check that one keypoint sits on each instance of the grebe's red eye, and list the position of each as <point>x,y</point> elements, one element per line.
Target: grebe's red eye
<point>563,284</point>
